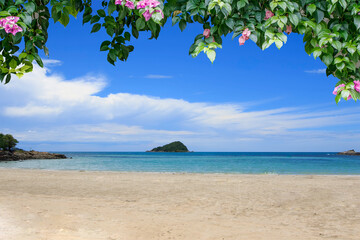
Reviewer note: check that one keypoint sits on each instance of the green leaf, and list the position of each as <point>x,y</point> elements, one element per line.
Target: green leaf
<point>105,46</point>
<point>96,28</point>
<point>8,78</point>
<point>327,59</point>
<point>38,60</point>
<point>95,19</point>
<point>357,21</point>
<point>86,18</point>
<point>211,54</point>
<point>337,98</point>
<point>319,16</point>
<point>190,5</point>
<point>278,43</point>
<point>311,8</point>
<point>230,23</point>
<point>30,7</point>
<point>182,25</point>
<point>294,19</point>
<point>101,13</point>
<point>111,8</point>
<point>13,63</point>
<point>140,24</point>
<point>64,20</point>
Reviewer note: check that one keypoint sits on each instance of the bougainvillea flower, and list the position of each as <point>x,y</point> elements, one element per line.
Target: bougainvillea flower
<point>118,2</point>
<point>12,28</point>
<point>130,4</point>
<point>246,34</point>
<point>268,14</point>
<point>12,19</point>
<point>335,92</point>
<point>154,3</point>
<point>288,29</point>
<point>349,97</point>
<point>147,15</point>
<point>357,85</point>
<point>242,40</point>
<point>145,3</point>
<point>2,22</point>
<point>206,33</point>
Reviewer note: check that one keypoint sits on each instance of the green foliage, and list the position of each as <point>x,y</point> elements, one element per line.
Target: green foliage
<point>171,147</point>
<point>331,28</point>
<point>7,142</point>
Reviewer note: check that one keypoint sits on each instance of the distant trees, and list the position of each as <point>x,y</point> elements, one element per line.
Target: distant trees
<point>7,142</point>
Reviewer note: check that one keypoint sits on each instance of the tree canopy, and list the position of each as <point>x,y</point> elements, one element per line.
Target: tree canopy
<point>331,29</point>
<point>7,142</point>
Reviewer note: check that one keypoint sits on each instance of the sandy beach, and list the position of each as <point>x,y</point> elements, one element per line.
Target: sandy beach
<point>72,205</point>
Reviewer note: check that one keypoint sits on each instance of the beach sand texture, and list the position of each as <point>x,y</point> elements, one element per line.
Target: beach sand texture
<point>65,205</point>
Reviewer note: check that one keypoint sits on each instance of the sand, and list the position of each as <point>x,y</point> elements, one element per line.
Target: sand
<point>72,205</point>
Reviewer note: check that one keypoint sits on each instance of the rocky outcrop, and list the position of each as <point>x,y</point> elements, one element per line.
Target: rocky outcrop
<point>350,152</point>
<point>27,155</point>
<point>171,147</point>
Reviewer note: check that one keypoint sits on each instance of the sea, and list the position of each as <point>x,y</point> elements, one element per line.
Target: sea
<point>200,162</point>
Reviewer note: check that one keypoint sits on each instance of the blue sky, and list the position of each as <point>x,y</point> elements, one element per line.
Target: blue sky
<point>248,100</point>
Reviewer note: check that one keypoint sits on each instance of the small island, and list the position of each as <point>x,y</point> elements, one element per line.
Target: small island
<point>171,147</point>
<point>8,152</point>
<point>350,152</point>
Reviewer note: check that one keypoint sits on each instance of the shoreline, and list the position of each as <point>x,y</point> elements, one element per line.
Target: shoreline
<point>177,173</point>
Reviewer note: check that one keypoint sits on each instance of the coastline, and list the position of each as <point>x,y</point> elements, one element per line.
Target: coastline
<point>178,173</point>
<point>57,204</point>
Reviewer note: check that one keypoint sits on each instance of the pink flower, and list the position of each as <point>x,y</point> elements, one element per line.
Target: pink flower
<point>206,33</point>
<point>147,15</point>
<point>357,85</point>
<point>154,3</point>
<point>246,34</point>
<point>242,40</point>
<point>12,19</point>
<point>268,14</point>
<point>145,3</point>
<point>13,29</point>
<point>349,97</point>
<point>2,22</point>
<point>118,2</point>
<point>288,29</point>
<point>335,92</point>
<point>129,4</point>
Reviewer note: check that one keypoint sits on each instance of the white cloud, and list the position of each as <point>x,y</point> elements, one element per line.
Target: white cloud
<point>51,62</point>
<point>157,76</point>
<point>317,71</point>
<point>54,109</point>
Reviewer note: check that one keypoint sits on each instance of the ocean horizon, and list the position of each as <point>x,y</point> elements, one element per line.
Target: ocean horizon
<point>323,163</point>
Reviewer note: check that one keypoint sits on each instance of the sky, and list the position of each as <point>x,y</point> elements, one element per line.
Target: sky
<point>247,100</point>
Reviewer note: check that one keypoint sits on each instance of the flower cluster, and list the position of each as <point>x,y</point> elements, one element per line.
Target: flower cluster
<point>341,87</point>
<point>10,26</point>
<point>268,14</point>
<point>245,36</point>
<point>147,5</point>
<point>206,33</point>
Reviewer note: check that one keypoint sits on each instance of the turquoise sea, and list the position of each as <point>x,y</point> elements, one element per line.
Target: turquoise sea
<point>200,162</point>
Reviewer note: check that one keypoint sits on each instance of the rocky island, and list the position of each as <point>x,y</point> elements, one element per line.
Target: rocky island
<point>27,155</point>
<point>350,152</point>
<point>171,147</point>
<point>8,152</point>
